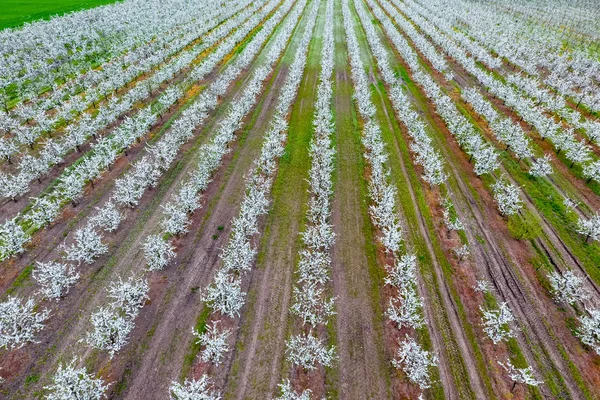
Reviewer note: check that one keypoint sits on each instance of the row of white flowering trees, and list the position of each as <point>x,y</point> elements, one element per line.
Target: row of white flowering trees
<point>45,208</point>
<point>534,45</point>
<point>510,133</point>
<point>530,86</point>
<point>480,151</point>
<point>177,211</point>
<point>311,303</point>
<point>55,278</point>
<point>416,129</point>
<point>224,295</point>
<point>424,153</point>
<point>576,151</point>
<point>406,306</point>
<point>112,324</point>
<point>160,60</point>
<point>144,174</point>
<point>56,57</point>
<point>567,287</point>
<point>508,199</point>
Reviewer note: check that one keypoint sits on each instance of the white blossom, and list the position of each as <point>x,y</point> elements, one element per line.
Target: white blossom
<point>70,383</point>
<point>567,287</point>
<point>541,166</point>
<point>107,218</point>
<point>310,304</point>
<point>43,211</point>
<point>158,252</point>
<point>176,219</point>
<point>306,351</point>
<point>406,310</point>
<point>225,294</point>
<point>19,322</point>
<point>520,375</point>
<point>129,296</point>
<point>483,286</point>
<point>496,322</point>
<point>404,271</point>
<point>570,204</point>
<point>12,238</point>
<point>507,197</point>
<point>415,362</point>
<point>110,330</point>
<point>462,251</point>
<point>288,393</point>
<point>589,331</point>
<point>193,389</point>
<point>55,278</point>
<point>88,246</point>
<point>214,341</point>
<point>590,228</point>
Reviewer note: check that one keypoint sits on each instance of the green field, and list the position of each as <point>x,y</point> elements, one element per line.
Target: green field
<point>16,13</point>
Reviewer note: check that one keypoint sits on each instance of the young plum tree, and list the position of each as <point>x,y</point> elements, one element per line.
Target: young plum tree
<point>19,322</point>
<point>415,362</point>
<point>55,278</point>
<point>158,252</point>
<point>496,323</point>
<point>70,383</point>
<point>214,341</point>
<point>200,389</point>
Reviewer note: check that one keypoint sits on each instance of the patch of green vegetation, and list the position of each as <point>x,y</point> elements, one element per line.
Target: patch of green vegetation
<point>21,279</point>
<point>16,13</point>
<point>32,378</point>
<point>524,226</point>
<point>194,347</point>
<point>549,202</point>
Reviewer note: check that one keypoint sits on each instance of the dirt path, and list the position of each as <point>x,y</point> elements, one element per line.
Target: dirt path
<point>365,369</point>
